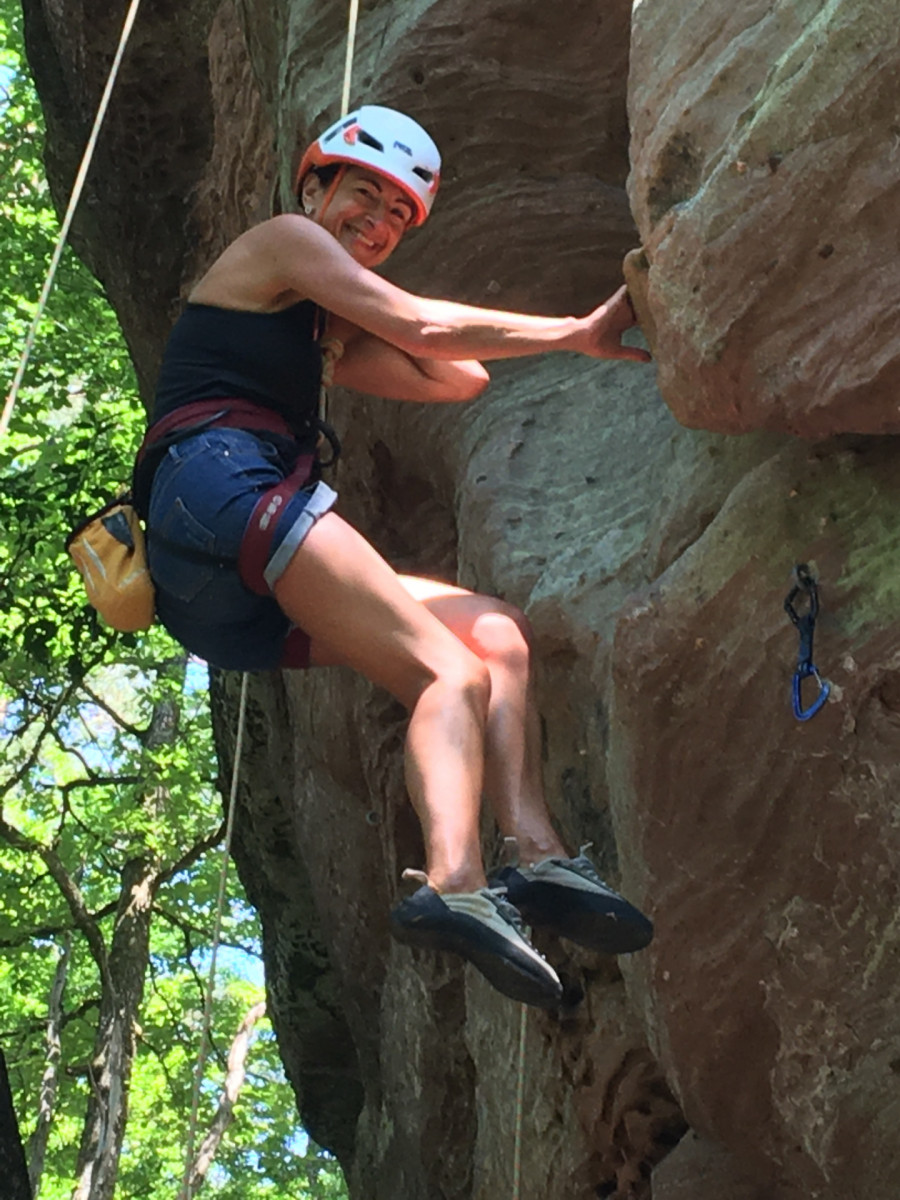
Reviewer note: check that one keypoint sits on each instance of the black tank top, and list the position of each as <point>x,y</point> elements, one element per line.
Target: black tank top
<point>271,359</point>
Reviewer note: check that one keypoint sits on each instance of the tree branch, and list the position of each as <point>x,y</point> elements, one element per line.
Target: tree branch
<point>191,856</point>
<point>32,758</point>
<point>35,1026</point>
<point>71,892</point>
<point>234,1081</point>
<point>111,712</point>
<point>48,931</point>
<point>185,926</point>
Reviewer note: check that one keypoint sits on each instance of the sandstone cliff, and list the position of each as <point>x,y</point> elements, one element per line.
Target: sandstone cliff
<point>748,156</point>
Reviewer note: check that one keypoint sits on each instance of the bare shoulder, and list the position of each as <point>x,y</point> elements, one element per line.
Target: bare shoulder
<point>286,227</point>
<point>248,274</point>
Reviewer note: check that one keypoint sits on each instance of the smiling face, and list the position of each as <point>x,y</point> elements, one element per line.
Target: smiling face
<point>367,212</point>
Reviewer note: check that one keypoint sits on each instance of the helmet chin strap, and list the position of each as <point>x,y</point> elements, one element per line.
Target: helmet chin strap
<point>329,195</point>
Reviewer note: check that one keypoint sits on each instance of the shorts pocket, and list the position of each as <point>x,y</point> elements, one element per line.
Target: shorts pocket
<point>180,576</point>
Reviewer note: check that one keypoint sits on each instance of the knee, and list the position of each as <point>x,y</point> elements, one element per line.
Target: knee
<point>506,639</point>
<point>475,682</point>
<point>466,677</point>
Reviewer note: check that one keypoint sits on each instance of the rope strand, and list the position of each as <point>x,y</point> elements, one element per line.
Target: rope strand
<point>185,1193</point>
<point>520,1103</point>
<point>77,189</point>
<point>348,61</point>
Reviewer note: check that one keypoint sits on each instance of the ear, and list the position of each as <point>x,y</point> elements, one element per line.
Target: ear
<point>310,193</point>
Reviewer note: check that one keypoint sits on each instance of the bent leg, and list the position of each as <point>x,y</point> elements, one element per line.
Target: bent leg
<point>500,636</point>
<point>345,596</point>
<point>550,889</point>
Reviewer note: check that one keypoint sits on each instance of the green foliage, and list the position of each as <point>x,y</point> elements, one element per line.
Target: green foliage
<point>106,752</point>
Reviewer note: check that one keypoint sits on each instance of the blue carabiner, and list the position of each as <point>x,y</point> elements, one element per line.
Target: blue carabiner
<point>804,670</point>
<point>806,626</point>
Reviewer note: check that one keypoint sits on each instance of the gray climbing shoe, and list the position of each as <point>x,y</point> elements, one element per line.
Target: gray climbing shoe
<point>568,897</point>
<point>483,928</point>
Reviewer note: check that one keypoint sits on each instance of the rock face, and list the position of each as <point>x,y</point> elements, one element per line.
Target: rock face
<point>765,182</point>
<point>652,560</point>
<point>771,991</point>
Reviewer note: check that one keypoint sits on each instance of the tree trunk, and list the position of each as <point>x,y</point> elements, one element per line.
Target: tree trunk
<point>110,1071</point>
<point>13,1168</point>
<point>120,1000</point>
<point>37,1147</point>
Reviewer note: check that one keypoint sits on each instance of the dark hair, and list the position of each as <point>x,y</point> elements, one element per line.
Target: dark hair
<point>325,175</point>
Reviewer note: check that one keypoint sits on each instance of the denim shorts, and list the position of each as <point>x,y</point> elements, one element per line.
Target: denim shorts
<point>204,493</point>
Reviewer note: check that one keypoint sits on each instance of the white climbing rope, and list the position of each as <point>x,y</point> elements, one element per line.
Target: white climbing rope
<point>520,1104</point>
<point>184,1194</point>
<point>77,189</point>
<point>348,61</point>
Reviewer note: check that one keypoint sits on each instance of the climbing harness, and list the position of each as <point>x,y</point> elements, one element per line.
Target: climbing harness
<point>185,1193</point>
<point>77,189</point>
<point>806,625</point>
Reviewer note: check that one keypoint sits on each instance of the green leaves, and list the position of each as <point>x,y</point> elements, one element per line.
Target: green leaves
<point>106,754</point>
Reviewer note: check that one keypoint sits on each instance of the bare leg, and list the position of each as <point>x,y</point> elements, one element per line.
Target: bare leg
<point>498,634</point>
<point>513,781</point>
<point>346,597</point>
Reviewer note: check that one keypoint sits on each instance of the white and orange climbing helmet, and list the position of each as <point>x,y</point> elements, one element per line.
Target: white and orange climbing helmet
<point>387,141</point>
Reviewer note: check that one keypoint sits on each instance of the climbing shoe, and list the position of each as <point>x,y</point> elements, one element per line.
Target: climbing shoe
<point>485,930</point>
<point>568,897</point>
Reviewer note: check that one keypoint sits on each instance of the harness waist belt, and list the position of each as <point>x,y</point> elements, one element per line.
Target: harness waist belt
<point>184,422</point>
<point>237,414</point>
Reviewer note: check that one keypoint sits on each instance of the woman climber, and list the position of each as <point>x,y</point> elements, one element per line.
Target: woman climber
<point>254,570</point>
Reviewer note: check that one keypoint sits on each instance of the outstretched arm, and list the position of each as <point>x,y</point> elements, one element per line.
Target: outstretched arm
<point>292,255</point>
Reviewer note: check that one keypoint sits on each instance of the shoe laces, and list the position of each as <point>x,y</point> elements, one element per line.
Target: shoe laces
<point>584,866</point>
<point>581,865</point>
<point>496,893</point>
<point>497,896</point>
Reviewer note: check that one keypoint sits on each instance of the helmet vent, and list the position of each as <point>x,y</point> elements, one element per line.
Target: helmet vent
<point>423,173</point>
<point>368,140</point>
<point>338,129</point>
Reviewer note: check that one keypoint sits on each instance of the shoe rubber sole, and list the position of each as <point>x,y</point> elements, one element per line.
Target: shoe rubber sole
<point>601,931</point>
<point>506,976</point>
<point>605,922</point>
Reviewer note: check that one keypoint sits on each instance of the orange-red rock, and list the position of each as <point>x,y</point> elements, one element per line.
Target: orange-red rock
<point>765,182</point>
